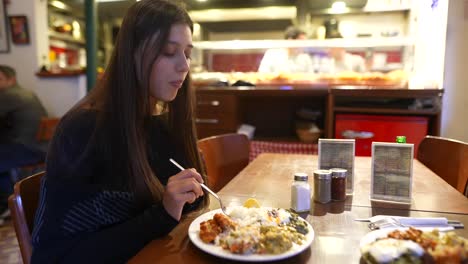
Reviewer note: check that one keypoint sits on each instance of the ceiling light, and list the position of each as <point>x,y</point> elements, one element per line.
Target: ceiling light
<point>59,5</point>
<point>339,7</point>
<point>237,14</point>
<point>202,0</point>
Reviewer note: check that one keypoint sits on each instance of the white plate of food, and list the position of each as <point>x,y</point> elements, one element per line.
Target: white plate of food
<point>251,234</point>
<point>425,245</point>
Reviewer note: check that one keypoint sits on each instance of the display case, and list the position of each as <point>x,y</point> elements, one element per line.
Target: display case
<point>403,75</point>
<point>271,102</point>
<point>234,93</point>
<point>408,36</point>
<point>386,59</point>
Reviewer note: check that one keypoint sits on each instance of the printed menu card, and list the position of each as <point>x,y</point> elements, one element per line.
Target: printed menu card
<point>392,172</point>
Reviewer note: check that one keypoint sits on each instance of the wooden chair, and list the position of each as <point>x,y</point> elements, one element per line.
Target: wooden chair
<point>47,128</point>
<point>448,158</point>
<point>44,134</point>
<point>224,156</point>
<point>23,204</point>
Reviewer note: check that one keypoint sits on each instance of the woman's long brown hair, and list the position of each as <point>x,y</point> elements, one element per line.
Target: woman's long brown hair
<point>123,102</point>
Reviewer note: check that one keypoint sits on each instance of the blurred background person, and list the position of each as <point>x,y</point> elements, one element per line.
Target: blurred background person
<point>343,61</point>
<point>288,60</point>
<point>20,116</point>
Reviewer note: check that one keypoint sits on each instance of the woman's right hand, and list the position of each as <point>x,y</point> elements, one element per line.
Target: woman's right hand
<point>181,188</point>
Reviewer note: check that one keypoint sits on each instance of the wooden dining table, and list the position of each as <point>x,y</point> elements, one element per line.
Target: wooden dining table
<point>336,233</point>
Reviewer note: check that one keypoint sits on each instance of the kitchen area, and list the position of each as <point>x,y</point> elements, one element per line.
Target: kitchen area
<point>411,52</point>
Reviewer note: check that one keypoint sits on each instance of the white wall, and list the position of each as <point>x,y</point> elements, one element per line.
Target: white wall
<point>61,93</point>
<point>27,58</point>
<point>429,28</point>
<point>455,103</point>
<point>56,94</point>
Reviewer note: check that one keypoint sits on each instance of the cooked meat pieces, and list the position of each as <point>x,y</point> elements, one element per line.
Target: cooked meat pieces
<point>209,230</point>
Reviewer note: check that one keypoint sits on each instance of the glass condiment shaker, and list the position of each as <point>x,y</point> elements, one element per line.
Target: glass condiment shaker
<point>338,184</point>
<point>300,193</point>
<point>322,186</point>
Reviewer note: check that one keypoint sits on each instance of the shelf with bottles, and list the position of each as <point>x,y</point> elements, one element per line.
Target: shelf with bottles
<point>66,27</point>
<point>65,37</point>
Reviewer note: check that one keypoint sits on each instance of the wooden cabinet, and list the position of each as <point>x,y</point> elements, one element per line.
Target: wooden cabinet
<point>216,114</point>
<point>272,110</point>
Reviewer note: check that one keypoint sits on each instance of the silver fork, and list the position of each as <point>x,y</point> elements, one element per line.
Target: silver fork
<point>385,222</point>
<point>223,208</point>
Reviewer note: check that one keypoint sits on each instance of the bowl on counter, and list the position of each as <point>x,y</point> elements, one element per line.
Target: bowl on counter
<point>308,132</point>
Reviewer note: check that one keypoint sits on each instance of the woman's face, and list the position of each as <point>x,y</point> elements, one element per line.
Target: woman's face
<point>172,66</point>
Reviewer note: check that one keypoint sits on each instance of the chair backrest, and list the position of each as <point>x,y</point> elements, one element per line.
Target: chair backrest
<point>448,158</point>
<point>224,156</point>
<point>47,128</point>
<point>23,204</point>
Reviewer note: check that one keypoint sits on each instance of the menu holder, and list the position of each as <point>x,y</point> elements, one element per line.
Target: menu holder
<point>392,172</point>
<point>338,153</point>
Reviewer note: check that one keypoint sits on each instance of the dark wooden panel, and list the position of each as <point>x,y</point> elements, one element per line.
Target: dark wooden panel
<point>271,108</point>
<point>216,114</point>
<point>276,116</point>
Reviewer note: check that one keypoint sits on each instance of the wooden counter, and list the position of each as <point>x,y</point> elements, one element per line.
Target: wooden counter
<point>272,109</point>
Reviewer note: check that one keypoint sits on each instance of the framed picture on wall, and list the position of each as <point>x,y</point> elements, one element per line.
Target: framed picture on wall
<point>4,45</point>
<point>19,29</point>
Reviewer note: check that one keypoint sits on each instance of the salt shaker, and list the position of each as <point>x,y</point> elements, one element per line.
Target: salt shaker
<point>322,186</point>
<point>300,193</point>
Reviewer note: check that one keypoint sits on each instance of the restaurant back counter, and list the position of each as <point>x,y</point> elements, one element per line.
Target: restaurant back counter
<point>369,113</point>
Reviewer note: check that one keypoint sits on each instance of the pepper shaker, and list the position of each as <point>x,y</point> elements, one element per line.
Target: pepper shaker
<point>322,186</point>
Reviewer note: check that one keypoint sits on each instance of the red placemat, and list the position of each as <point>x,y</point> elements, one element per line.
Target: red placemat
<point>258,147</point>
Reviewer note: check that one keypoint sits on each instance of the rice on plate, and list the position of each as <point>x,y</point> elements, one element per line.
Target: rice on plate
<point>259,216</point>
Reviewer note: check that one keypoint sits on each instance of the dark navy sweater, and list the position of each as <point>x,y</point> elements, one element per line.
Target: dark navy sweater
<point>84,216</point>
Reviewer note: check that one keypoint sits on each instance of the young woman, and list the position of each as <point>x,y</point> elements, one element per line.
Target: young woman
<point>110,188</point>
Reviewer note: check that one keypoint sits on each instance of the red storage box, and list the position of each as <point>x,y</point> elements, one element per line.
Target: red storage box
<point>382,128</point>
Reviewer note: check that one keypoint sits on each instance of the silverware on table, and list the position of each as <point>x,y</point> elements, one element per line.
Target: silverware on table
<point>385,222</point>
<point>382,221</point>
